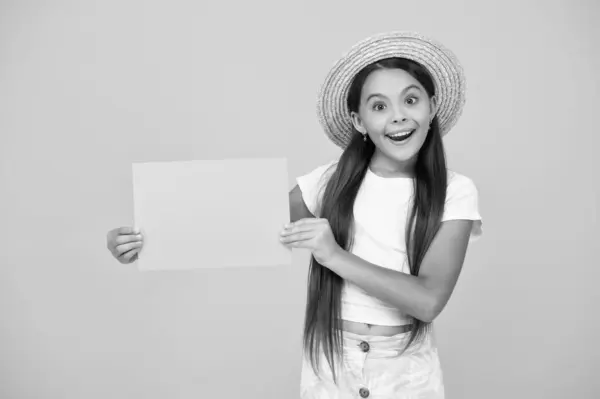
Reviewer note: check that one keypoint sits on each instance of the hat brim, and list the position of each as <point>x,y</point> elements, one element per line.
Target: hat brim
<point>443,66</point>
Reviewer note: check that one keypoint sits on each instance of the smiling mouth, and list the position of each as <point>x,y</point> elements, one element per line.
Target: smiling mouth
<point>400,137</point>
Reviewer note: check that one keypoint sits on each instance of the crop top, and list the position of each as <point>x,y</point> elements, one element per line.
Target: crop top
<point>380,213</point>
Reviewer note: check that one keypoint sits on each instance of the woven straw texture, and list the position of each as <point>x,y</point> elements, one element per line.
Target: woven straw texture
<point>442,64</point>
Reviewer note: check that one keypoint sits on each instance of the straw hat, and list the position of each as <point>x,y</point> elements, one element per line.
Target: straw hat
<point>444,68</point>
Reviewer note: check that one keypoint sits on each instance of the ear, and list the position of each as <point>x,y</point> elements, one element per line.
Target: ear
<point>433,106</point>
<point>357,122</point>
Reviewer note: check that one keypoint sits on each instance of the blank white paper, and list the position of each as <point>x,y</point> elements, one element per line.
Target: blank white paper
<point>211,213</point>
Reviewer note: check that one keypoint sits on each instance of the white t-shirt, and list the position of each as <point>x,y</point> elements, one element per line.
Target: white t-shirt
<point>380,214</point>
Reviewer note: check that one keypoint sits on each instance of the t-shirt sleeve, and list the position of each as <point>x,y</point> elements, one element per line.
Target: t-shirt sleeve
<point>313,185</point>
<point>462,203</point>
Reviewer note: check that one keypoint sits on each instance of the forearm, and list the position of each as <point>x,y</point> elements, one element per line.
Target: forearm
<point>406,292</point>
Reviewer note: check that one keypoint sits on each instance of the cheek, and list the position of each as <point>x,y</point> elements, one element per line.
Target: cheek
<point>374,123</point>
<point>421,114</point>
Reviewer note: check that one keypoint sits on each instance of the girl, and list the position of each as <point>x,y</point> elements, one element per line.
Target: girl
<point>387,224</point>
<point>392,223</point>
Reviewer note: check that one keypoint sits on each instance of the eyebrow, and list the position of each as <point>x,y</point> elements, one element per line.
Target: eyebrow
<point>413,86</point>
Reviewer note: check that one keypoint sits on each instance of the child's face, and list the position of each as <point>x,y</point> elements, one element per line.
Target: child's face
<point>391,102</point>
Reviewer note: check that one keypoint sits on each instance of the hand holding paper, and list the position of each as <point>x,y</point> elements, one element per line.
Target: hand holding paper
<point>211,213</point>
<point>124,243</point>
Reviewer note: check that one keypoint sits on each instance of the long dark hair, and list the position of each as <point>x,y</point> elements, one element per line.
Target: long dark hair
<point>323,324</point>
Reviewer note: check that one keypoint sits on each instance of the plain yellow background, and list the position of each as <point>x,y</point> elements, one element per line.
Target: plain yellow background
<point>88,87</point>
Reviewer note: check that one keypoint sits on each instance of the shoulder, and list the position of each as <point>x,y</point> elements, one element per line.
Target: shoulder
<point>320,173</point>
<point>328,167</point>
<point>456,178</point>
<point>459,183</point>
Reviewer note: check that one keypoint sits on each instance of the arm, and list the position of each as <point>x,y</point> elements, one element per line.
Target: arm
<point>423,296</point>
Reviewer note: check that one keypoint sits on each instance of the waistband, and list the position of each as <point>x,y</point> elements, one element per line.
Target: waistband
<point>385,345</point>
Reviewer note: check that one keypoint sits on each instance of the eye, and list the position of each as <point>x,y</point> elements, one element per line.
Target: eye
<point>412,100</point>
<point>378,107</point>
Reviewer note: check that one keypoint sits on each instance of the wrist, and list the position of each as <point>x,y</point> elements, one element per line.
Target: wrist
<point>336,259</point>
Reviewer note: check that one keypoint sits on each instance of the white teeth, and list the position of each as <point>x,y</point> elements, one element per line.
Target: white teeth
<point>401,134</point>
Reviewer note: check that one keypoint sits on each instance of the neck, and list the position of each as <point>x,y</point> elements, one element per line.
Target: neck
<point>386,167</point>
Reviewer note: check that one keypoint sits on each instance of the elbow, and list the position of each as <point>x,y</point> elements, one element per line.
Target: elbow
<point>428,317</point>
<point>431,310</point>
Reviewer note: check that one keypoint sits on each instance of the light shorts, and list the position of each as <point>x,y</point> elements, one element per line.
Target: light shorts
<point>373,368</point>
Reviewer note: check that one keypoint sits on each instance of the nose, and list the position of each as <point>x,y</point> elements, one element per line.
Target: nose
<point>399,116</point>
